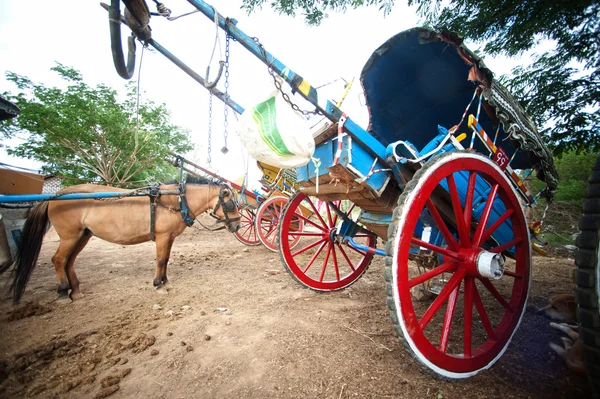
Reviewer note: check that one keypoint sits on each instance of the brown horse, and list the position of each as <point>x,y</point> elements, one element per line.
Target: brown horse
<point>123,221</point>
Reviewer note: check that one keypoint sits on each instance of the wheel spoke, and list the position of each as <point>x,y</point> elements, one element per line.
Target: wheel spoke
<point>431,274</point>
<point>484,319</point>
<point>437,249</point>
<point>485,215</point>
<point>335,263</point>
<point>507,245</point>
<point>271,230</point>
<point>314,244</point>
<point>496,224</point>
<point>468,316</point>
<point>304,234</point>
<point>335,215</point>
<point>488,284</point>
<point>325,261</point>
<point>448,319</point>
<point>512,274</point>
<point>441,298</point>
<point>468,211</point>
<point>322,228</point>
<point>441,225</point>
<point>243,234</point>
<point>270,212</point>
<point>314,257</point>
<point>329,215</point>
<point>317,212</point>
<point>463,233</point>
<point>296,223</point>
<point>349,211</point>
<point>346,257</point>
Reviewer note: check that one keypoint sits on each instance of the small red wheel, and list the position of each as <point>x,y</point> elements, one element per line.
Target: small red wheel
<point>485,271</point>
<point>321,261</point>
<point>247,232</point>
<point>267,220</point>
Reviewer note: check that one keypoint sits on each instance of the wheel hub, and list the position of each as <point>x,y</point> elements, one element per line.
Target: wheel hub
<point>334,236</point>
<point>480,263</point>
<point>490,265</point>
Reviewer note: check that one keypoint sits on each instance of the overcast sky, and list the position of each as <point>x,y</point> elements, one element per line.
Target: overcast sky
<point>34,34</point>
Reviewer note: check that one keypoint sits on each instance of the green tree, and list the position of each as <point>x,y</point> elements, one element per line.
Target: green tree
<point>84,132</point>
<point>560,89</point>
<point>573,170</point>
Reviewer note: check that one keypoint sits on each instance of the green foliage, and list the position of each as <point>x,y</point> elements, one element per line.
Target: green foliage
<point>573,170</point>
<point>315,11</point>
<point>84,132</point>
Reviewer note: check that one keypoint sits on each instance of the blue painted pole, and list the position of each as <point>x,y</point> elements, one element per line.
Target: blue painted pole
<point>73,196</point>
<point>365,248</point>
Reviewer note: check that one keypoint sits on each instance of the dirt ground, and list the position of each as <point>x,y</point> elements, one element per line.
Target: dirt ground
<point>236,325</point>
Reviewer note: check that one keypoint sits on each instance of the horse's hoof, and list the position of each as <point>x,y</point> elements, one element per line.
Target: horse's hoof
<point>162,290</point>
<point>63,300</point>
<point>77,296</point>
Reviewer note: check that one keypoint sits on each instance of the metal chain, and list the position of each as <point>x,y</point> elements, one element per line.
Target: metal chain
<point>224,150</point>
<point>277,83</point>
<point>210,97</point>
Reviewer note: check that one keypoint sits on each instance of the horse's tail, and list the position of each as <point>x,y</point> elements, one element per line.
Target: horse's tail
<point>29,247</point>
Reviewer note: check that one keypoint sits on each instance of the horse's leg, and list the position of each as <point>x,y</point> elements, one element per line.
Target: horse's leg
<point>163,251</point>
<point>60,258</point>
<point>70,267</point>
<point>165,280</point>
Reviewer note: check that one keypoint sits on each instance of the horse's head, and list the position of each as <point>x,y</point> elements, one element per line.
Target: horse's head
<point>226,208</point>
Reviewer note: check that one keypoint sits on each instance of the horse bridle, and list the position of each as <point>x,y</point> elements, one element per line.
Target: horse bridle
<point>227,206</point>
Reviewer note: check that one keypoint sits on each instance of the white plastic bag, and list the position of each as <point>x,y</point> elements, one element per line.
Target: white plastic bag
<point>274,133</point>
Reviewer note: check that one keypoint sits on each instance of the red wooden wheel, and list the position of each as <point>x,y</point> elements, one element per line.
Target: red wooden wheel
<point>247,232</point>
<point>321,261</point>
<point>485,271</point>
<point>267,220</point>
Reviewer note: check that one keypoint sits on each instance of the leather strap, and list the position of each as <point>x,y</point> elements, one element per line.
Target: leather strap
<point>152,216</point>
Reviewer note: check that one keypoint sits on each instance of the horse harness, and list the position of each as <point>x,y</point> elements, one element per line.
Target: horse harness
<point>186,214</point>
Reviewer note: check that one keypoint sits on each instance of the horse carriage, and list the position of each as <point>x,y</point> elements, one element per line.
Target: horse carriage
<point>437,177</point>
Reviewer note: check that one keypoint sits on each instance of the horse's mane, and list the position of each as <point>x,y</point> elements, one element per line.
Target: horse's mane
<point>191,179</point>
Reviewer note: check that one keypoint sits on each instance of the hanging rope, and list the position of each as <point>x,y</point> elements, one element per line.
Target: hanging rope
<point>455,127</point>
<point>208,84</point>
<point>210,97</point>
<point>137,117</point>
